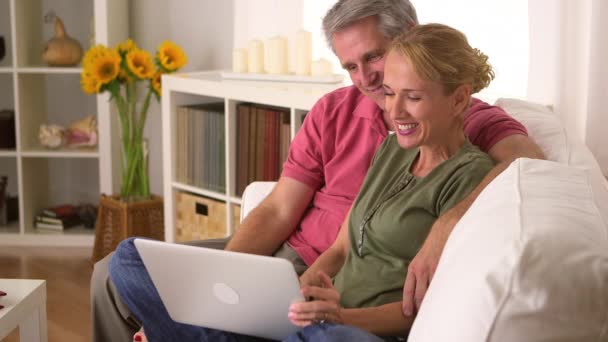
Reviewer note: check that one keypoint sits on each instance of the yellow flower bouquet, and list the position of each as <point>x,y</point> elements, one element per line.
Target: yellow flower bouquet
<point>118,70</point>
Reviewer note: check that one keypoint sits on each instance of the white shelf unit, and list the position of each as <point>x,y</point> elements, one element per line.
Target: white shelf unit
<point>40,94</point>
<point>208,87</point>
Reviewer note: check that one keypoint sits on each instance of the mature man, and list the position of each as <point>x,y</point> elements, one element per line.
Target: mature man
<point>328,160</point>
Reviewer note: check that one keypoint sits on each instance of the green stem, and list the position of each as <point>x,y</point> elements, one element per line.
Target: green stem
<point>128,141</point>
<point>133,161</point>
<point>144,113</point>
<point>143,172</point>
<point>135,179</point>
<point>143,179</point>
<point>123,116</point>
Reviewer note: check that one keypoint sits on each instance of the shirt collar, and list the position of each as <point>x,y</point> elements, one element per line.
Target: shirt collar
<point>369,110</point>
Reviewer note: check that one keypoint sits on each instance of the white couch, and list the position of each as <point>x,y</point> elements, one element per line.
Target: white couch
<point>529,260</point>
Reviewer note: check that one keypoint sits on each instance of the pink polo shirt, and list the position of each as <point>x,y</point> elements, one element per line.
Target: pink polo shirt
<point>334,148</point>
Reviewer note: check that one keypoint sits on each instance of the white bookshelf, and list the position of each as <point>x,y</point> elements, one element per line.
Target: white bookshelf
<point>40,94</point>
<point>208,87</point>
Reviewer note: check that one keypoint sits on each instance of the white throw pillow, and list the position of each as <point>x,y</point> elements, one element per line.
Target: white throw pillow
<point>546,129</point>
<point>527,262</point>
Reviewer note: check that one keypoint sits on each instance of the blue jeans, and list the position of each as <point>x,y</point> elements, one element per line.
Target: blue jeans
<point>332,332</point>
<point>137,291</point>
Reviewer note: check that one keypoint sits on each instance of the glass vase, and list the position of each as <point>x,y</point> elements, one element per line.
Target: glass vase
<point>135,179</point>
<point>135,182</point>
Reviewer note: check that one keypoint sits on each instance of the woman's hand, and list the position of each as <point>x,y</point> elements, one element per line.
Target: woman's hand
<point>324,306</point>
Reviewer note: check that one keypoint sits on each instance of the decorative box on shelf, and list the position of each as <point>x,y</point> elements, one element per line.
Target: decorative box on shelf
<point>200,218</point>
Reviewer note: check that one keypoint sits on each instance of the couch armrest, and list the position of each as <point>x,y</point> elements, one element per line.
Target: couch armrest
<point>254,194</point>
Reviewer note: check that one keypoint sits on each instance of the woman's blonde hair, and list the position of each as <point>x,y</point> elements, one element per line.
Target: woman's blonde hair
<point>442,54</point>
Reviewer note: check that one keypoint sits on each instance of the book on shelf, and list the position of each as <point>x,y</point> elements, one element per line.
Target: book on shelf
<point>251,144</point>
<point>285,139</point>
<point>50,226</point>
<point>181,152</point>
<point>57,223</point>
<point>262,143</point>
<point>58,218</point>
<point>200,146</point>
<point>242,162</point>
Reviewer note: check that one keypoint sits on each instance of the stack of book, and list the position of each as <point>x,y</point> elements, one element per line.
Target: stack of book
<point>58,218</point>
<point>200,146</point>
<point>263,139</point>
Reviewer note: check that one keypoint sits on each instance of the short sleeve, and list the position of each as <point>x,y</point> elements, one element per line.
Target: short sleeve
<point>485,125</point>
<point>305,159</point>
<point>463,180</point>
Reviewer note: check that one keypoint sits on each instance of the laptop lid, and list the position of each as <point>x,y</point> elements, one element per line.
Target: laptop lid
<point>237,292</point>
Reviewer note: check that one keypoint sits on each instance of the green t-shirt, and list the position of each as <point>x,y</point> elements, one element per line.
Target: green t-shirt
<point>393,214</point>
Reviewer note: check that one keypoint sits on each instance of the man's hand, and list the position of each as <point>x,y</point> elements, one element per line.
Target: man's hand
<point>420,272</point>
<point>422,268</point>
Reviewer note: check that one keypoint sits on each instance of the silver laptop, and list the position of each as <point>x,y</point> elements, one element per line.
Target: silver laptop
<point>236,292</point>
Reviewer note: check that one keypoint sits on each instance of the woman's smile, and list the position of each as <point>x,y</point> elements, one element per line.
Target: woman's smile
<point>406,128</point>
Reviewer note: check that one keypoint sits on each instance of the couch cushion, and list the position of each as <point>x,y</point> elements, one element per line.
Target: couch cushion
<point>545,127</point>
<point>527,262</point>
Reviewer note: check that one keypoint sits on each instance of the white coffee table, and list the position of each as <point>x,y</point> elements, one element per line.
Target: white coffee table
<point>24,307</point>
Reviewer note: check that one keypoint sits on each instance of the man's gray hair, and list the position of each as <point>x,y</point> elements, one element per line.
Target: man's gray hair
<point>394,16</point>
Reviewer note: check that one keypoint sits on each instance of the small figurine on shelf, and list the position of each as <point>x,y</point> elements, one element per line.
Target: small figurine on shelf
<point>88,215</point>
<point>8,204</point>
<point>51,136</point>
<point>82,132</point>
<point>61,50</point>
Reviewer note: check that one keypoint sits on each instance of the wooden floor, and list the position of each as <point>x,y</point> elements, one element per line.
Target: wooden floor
<point>67,271</point>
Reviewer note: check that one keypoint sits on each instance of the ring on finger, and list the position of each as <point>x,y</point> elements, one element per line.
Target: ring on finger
<point>324,318</point>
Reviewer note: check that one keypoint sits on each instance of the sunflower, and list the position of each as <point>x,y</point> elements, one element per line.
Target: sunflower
<point>124,77</point>
<point>155,82</point>
<point>125,47</point>
<point>104,67</point>
<point>140,64</point>
<point>94,53</point>
<point>170,56</point>
<point>89,84</point>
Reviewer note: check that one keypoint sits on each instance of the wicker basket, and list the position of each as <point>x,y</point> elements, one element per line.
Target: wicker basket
<point>198,218</point>
<point>118,220</point>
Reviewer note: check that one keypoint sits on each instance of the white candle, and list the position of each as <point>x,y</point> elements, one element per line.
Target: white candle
<point>321,67</point>
<point>277,55</point>
<point>255,56</point>
<point>239,60</point>
<point>303,52</point>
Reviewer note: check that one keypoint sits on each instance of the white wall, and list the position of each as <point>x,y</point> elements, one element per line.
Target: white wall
<point>202,27</point>
<point>498,28</point>
<point>560,67</point>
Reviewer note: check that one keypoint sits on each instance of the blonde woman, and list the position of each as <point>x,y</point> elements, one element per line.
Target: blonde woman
<point>423,169</point>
